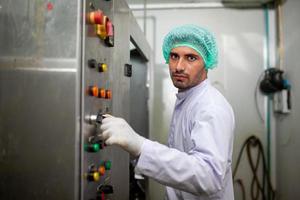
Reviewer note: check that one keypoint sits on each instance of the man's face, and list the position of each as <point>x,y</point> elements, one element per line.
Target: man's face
<point>186,68</point>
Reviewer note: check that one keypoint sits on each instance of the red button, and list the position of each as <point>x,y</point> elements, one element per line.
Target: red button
<point>95,17</point>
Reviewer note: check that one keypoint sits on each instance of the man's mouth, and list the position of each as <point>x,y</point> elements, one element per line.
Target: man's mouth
<point>179,76</point>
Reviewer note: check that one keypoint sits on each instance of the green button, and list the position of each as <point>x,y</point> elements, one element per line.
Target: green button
<point>107,165</point>
<point>92,147</point>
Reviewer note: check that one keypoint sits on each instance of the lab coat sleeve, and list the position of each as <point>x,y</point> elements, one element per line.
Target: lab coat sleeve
<point>203,168</point>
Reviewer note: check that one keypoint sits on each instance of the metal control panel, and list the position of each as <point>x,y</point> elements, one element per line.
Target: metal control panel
<point>98,160</point>
<point>62,66</point>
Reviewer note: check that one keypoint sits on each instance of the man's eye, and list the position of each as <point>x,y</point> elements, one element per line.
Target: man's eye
<point>191,58</point>
<point>173,56</point>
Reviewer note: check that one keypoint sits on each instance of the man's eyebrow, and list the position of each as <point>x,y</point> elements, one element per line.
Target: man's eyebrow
<point>192,54</point>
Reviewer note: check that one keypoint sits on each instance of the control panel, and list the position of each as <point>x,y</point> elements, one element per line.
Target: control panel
<point>97,158</point>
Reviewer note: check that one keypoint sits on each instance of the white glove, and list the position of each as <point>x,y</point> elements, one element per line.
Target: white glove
<point>116,131</point>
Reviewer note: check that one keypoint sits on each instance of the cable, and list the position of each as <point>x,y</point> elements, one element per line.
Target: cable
<point>257,188</point>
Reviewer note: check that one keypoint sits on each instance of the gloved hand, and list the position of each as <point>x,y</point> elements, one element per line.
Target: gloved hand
<point>116,131</point>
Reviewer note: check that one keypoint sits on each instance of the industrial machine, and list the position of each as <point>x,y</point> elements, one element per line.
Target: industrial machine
<point>62,65</point>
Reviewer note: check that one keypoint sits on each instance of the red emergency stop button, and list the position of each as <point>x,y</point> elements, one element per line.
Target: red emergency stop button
<point>95,17</point>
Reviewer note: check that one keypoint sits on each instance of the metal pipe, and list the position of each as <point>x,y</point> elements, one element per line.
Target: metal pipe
<point>145,16</point>
<point>166,6</point>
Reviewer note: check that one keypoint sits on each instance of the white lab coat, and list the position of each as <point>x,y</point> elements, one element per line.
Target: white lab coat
<point>197,162</point>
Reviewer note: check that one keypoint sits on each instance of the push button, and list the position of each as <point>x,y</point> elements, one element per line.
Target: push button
<point>102,67</point>
<point>93,176</point>
<point>107,165</point>
<point>101,170</point>
<point>102,93</point>
<point>92,147</point>
<point>93,91</point>
<point>92,63</point>
<point>108,94</point>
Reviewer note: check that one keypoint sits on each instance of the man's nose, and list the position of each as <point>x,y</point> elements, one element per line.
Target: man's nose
<point>180,65</point>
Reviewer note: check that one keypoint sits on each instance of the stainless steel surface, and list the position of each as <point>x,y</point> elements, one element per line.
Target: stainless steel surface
<point>38,136</point>
<point>39,120</point>
<point>139,94</point>
<point>28,28</point>
<point>44,103</point>
<point>138,39</point>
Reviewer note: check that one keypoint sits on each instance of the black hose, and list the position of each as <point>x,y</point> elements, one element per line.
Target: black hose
<point>257,188</point>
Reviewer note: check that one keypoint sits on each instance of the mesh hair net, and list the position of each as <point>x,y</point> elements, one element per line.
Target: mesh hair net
<point>195,37</point>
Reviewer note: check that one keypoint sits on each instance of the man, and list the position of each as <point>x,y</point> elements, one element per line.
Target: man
<point>196,164</point>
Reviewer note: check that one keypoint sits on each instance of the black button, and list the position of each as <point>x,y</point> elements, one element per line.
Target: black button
<point>92,63</point>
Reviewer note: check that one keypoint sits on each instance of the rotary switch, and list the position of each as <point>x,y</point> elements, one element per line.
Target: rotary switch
<point>95,119</point>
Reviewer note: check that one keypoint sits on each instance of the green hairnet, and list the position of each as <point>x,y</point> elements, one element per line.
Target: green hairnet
<point>195,37</point>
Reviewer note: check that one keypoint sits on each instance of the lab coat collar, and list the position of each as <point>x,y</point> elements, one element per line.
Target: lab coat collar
<point>181,96</point>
